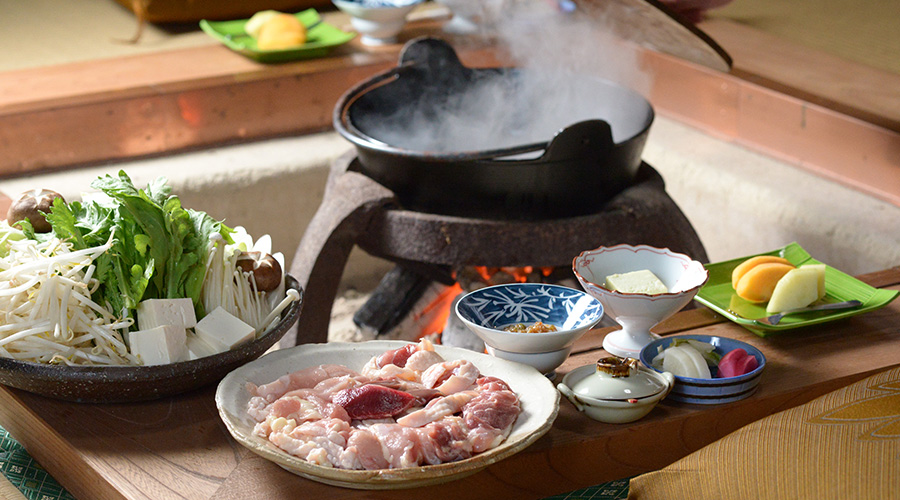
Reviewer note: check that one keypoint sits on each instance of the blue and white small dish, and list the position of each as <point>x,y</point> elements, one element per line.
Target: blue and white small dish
<point>377,21</point>
<point>487,311</point>
<point>709,391</point>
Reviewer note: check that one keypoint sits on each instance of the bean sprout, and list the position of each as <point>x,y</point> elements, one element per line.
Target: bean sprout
<point>228,287</point>
<point>49,316</point>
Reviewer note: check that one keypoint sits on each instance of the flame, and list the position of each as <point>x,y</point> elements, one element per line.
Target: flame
<point>434,315</point>
<point>437,312</point>
<point>519,273</point>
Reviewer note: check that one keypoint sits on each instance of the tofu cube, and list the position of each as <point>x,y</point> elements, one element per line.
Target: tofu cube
<point>643,281</point>
<point>223,331</point>
<point>199,348</point>
<point>159,346</point>
<point>159,312</point>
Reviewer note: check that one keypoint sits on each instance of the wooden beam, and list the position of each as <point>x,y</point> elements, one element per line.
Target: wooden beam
<point>91,112</point>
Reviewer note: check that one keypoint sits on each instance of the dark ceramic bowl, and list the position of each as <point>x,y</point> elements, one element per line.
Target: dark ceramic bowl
<point>119,384</point>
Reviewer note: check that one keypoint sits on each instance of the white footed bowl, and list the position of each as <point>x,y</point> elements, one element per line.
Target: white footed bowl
<point>378,23</point>
<point>638,312</point>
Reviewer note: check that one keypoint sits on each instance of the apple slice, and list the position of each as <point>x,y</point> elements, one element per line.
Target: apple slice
<point>798,288</point>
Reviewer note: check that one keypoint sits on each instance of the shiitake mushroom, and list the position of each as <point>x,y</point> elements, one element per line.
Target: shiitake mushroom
<point>32,205</point>
<point>265,270</point>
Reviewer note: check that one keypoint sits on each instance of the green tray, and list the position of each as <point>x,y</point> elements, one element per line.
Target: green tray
<point>719,295</point>
<point>321,38</point>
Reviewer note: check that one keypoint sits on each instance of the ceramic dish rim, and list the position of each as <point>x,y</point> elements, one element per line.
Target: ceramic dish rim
<point>34,372</point>
<point>762,329</point>
<point>559,333</point>
<point>656,296</point>
<point>709,382</point>
<point>383,478</point>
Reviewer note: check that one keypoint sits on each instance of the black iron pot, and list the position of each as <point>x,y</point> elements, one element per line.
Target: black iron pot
<point>574,173</point>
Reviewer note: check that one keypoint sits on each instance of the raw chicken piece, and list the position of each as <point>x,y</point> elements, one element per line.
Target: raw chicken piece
<point>404,363</point>
<point>450,439</point>
<point>451,376</point>
<point>490,416</point>
<point>421,360</point>
<point>445,411</point>
<point>320,442</point>
<point>437,409</point>
<point>301,379</point>
<point>405,446</point>
<point>363,451</point>
<point>396,357</point>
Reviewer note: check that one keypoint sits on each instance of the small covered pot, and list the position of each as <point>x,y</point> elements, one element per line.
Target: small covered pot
<point>615,390</point>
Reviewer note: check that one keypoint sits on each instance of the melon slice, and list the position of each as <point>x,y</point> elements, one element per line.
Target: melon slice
<point>752,262</point>
<point>798,288</point>
<point>758,283</point>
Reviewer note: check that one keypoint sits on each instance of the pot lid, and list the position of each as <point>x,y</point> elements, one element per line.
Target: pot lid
<point>652,25</point>
<point>620,379</point>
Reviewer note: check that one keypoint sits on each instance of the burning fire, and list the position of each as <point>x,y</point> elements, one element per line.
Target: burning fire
<point>434,316</point>
<point>519,274</point>
<point>437,311</point>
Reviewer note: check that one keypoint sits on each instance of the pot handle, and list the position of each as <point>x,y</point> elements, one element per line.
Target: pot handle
<point>436,60</point>
<point>564,389</point>
<point>589,139</point>
<point>670,383</point>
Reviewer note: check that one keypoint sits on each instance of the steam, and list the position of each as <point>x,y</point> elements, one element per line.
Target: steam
<point>560,54</point>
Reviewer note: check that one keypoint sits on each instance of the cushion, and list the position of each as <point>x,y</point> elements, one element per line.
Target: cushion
<point>845,444</point>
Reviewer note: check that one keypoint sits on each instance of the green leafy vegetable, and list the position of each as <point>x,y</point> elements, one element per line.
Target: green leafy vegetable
<point>159,249</point>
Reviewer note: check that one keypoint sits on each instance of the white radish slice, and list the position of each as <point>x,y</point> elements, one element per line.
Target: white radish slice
<point>685,361</point>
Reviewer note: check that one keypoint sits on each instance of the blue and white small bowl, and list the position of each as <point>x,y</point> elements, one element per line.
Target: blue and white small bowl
<point>710,391</point>
<point>488,310</point>
<point>377,21</point>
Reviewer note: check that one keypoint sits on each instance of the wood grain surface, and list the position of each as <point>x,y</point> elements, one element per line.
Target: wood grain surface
<point>178,447</point>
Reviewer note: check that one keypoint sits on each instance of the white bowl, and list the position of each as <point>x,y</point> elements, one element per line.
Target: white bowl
<point>544,362</point>
<point>638,312</point>
<point>615,399</point>
<point>377,21</point>
<point>488,310</point>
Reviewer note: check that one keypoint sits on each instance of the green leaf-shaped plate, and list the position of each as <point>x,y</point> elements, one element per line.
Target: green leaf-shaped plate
<point>719,295</point>
<point>321,38</point>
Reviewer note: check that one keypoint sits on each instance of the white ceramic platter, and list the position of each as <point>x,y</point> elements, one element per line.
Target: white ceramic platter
<point>538,398</point>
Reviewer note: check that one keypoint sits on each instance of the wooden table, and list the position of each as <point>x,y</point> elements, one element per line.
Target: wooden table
<point>178,447</point>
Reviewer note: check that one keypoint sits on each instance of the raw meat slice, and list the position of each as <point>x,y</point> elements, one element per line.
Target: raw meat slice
<point>424,411</point>
<point>363,451</point>
<point>373,401</point>
<point>299,380</point>
<point>437,409</point>
<point>451,376</point>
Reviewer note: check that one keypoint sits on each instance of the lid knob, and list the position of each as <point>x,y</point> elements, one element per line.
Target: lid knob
<point>616,366</point>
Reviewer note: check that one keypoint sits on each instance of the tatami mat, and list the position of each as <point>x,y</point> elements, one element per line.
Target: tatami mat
<point>865,31</point>
<point>45,32</point>
<point>49,32</point>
